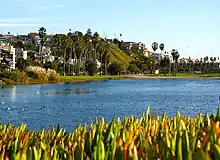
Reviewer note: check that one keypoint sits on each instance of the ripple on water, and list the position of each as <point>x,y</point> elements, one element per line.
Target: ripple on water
<point>71,104</point>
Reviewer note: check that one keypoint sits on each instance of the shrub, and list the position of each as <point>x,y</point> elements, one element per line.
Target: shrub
<point>91,67</point>
<point>42,74</point>
<point>36,72</point>
<point>52,75</point>
<point>16,76</point>
<point>133,68</point>
<point>115,68</point>
<point>51,65</point>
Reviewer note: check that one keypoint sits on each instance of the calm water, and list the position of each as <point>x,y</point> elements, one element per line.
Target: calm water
<point>39,106</point>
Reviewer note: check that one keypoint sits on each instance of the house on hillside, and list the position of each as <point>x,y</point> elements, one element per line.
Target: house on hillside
<point>7,55</point>
<point>20,53</point>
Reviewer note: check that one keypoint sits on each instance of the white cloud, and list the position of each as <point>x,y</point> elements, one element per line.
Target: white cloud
<point>57,6</point>
<point>53,6</point>
<point>18,25</point>
<point>20,19</point>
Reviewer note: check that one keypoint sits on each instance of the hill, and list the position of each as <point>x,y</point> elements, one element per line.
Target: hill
<point>119,56</point>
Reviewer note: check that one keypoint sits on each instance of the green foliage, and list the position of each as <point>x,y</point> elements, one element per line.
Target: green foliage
<point>16,76</point>
<point>3,67</point>
<point>18,44</point>
<point>31,62</point>
<point>150,137</point>
<point>161,46</point>
<point>133,68</point>
<point>91,67</point>
<point>42,35</point>
<point>155,46</point>
<point>8,81</point>
<point>31,47</point>
<point>115,68</point>
<point>22,64</point>
<point>51,65</point>
<point>117,55</point>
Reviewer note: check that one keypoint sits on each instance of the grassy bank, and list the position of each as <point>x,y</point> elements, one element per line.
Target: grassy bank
<point>77,79</point>
<point>82,79</point>
<point>188,75</point>
<point>150,137</point>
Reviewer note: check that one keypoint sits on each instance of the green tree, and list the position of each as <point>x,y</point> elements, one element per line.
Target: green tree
<point>154,46</point>
<point>51,65</point>
<point>22,64</point>
<point>161,46</point>
<point>19,44</point>
<point>115,68</point>
<point>95,40</point>
<point>43,39</point>
<point>133,68</point>
<point>66,44</point>
<point>175,54</point>
<point>91,67</point>
<point>89,33</point>
<point>79,48</point>
<point>164,64</point>
<point>106,56</point>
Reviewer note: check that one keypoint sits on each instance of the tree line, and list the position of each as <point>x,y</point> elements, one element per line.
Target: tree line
<point>81,54</point>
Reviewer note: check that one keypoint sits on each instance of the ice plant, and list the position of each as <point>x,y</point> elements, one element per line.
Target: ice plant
<point>149,138</point>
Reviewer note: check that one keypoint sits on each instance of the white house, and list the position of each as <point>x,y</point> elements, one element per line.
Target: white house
<point>9,54</point>
<point>20,53</point>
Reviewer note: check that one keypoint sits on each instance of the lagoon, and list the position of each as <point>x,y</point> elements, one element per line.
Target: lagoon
<point>40,106</point>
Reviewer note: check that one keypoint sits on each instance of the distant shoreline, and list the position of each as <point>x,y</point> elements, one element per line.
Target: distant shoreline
<point>170,77</point>
<point>87,79</point>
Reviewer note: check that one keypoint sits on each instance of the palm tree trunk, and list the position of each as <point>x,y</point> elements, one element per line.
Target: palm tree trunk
<point>64,65</point>
<point>176,68</point>
<point>69,66</point>
<point>41,56</point>
<point>100,65</point>
<point>85,62</point>
<point>105,65</point>
<point>79,61</point>
<point>74,63</point>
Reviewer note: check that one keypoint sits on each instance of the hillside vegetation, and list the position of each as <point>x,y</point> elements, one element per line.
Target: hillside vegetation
<point>117,55</point>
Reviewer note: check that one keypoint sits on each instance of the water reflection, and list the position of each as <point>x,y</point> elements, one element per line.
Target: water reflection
<point>39,106</point>
<point>13,93</point>
<point>69,91</point>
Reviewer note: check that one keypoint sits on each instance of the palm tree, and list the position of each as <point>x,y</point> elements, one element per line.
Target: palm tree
<point>164,63</point>
<point>155,46</point>
<point>106,57</point>
<point>79,48</point>
<point>95,39</point>
<point>43,37</point>
<point>101,50</point>
<point>175,55</point>
<point>22,64</point>
<point>71,49</point>
<point>161,46</point>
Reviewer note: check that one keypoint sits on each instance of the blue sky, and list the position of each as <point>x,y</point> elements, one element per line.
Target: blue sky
<point>190,26</point>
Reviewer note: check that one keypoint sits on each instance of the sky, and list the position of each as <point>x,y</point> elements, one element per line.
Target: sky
<point>190,26</point>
